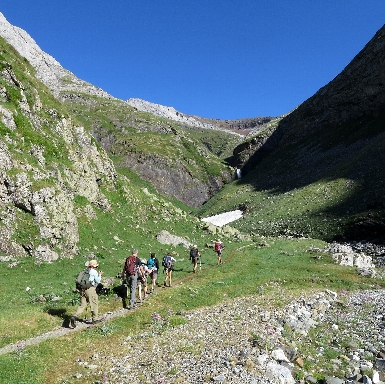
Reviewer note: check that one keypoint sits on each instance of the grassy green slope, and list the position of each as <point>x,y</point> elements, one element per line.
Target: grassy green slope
<point>123,131</point>
<point>55,361</point>
<point>329,188</point>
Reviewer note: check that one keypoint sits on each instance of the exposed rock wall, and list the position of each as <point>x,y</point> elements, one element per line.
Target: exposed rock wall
<point>357,92</point>
<point>174,179</point>
<point>46,160</point>
<point>356,95</point>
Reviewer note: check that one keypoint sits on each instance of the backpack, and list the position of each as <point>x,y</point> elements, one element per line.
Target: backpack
<point>151,263</point>
<point>218,247</point>
<point>166,262</point>
<point>130,267</point>
<point>194,253</point>
<point>83,280</point>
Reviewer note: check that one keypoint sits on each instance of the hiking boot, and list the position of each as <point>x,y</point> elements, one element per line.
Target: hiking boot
<point>73,322</point>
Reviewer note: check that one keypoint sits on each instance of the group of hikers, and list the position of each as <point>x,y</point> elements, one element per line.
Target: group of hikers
<point>134,276</point>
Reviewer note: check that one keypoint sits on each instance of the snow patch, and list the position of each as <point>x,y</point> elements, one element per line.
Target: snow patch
<point>224,218</point>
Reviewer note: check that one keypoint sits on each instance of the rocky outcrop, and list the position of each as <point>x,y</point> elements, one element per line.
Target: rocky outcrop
<point>173,178</point>
<point>166,112</point>
<point>240,127</point>
<point>46,162</point>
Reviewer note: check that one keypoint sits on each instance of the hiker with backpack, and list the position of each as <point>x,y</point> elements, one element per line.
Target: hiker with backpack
<point>168,265</point>
<point>194,256</point>
<point>142,279</point>
<point>130,275</point>
<point>86,283</point>
<point>218,248</point>
<point>153,264</point>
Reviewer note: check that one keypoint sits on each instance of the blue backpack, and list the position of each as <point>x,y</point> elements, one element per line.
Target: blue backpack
<point>151,263</point>
<point>167,262</point>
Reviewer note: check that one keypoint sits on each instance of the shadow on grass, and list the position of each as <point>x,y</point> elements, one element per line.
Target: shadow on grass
<point>60,312</point>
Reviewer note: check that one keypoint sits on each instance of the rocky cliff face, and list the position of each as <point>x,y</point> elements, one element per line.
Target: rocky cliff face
<point>47,163</point>
<point>356,95</point>
<point>240,127</point>
<point>173,178</point>
<point>110,120</point>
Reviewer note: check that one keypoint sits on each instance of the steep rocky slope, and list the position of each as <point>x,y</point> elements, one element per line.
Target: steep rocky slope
<point>124,130</point>
<point>355,96</point>
<point>179,161</point>
<point>240,127</point>
<point>47,161</point>
<point>334,142</point>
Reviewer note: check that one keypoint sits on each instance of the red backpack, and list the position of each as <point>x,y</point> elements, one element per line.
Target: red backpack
<point>130,267</point>
<point>217,247</point>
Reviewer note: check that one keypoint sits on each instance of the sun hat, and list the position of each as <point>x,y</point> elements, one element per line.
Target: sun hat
<point>93,263</point>
<point>143,261</point>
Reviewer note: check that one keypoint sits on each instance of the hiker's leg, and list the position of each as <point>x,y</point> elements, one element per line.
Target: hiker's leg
<point>133,284</point>
<point>83,304</point>
<point>94,303</point>
<point>125,286</point>
<point>153,280</point>
<point>170,277</point>
<point>140,290</point>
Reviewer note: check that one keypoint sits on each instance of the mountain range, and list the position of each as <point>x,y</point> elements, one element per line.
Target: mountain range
<point>65,145</point>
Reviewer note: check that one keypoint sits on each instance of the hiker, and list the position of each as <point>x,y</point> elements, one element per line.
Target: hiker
<point>130,274</point>
<point>218,248</point>
<point>142,279</point>
<point>88,294</point>
<point>168,265</point>
<point>194,256</point>
<point>153,264</point>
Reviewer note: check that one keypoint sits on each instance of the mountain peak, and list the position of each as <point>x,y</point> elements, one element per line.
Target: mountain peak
<point>48,70</point>
<point>167,112</point>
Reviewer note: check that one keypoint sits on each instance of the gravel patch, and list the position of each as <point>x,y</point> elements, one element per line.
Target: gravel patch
<point>242,341</point>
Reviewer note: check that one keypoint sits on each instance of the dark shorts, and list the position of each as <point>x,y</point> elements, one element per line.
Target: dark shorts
<point>154,275</point>
<point>142,281</point>
<point>194,260</point>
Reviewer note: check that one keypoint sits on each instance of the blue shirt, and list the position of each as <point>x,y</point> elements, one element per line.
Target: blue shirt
<point>95,277</point>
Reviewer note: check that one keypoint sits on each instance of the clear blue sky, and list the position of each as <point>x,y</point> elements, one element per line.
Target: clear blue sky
<point>224,59</point>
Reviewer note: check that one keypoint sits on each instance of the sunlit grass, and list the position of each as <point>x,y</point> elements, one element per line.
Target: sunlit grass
<point>275,273</point>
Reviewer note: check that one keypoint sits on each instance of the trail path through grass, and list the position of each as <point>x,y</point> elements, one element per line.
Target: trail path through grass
<point>64,330</point>
<point>58,332</point>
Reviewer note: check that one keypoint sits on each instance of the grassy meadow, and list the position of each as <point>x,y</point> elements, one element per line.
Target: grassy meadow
<point>273,268</point>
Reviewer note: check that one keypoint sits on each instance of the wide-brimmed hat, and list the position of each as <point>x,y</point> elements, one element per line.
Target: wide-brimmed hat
<point>93,263</point>
<point>143,261</point>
